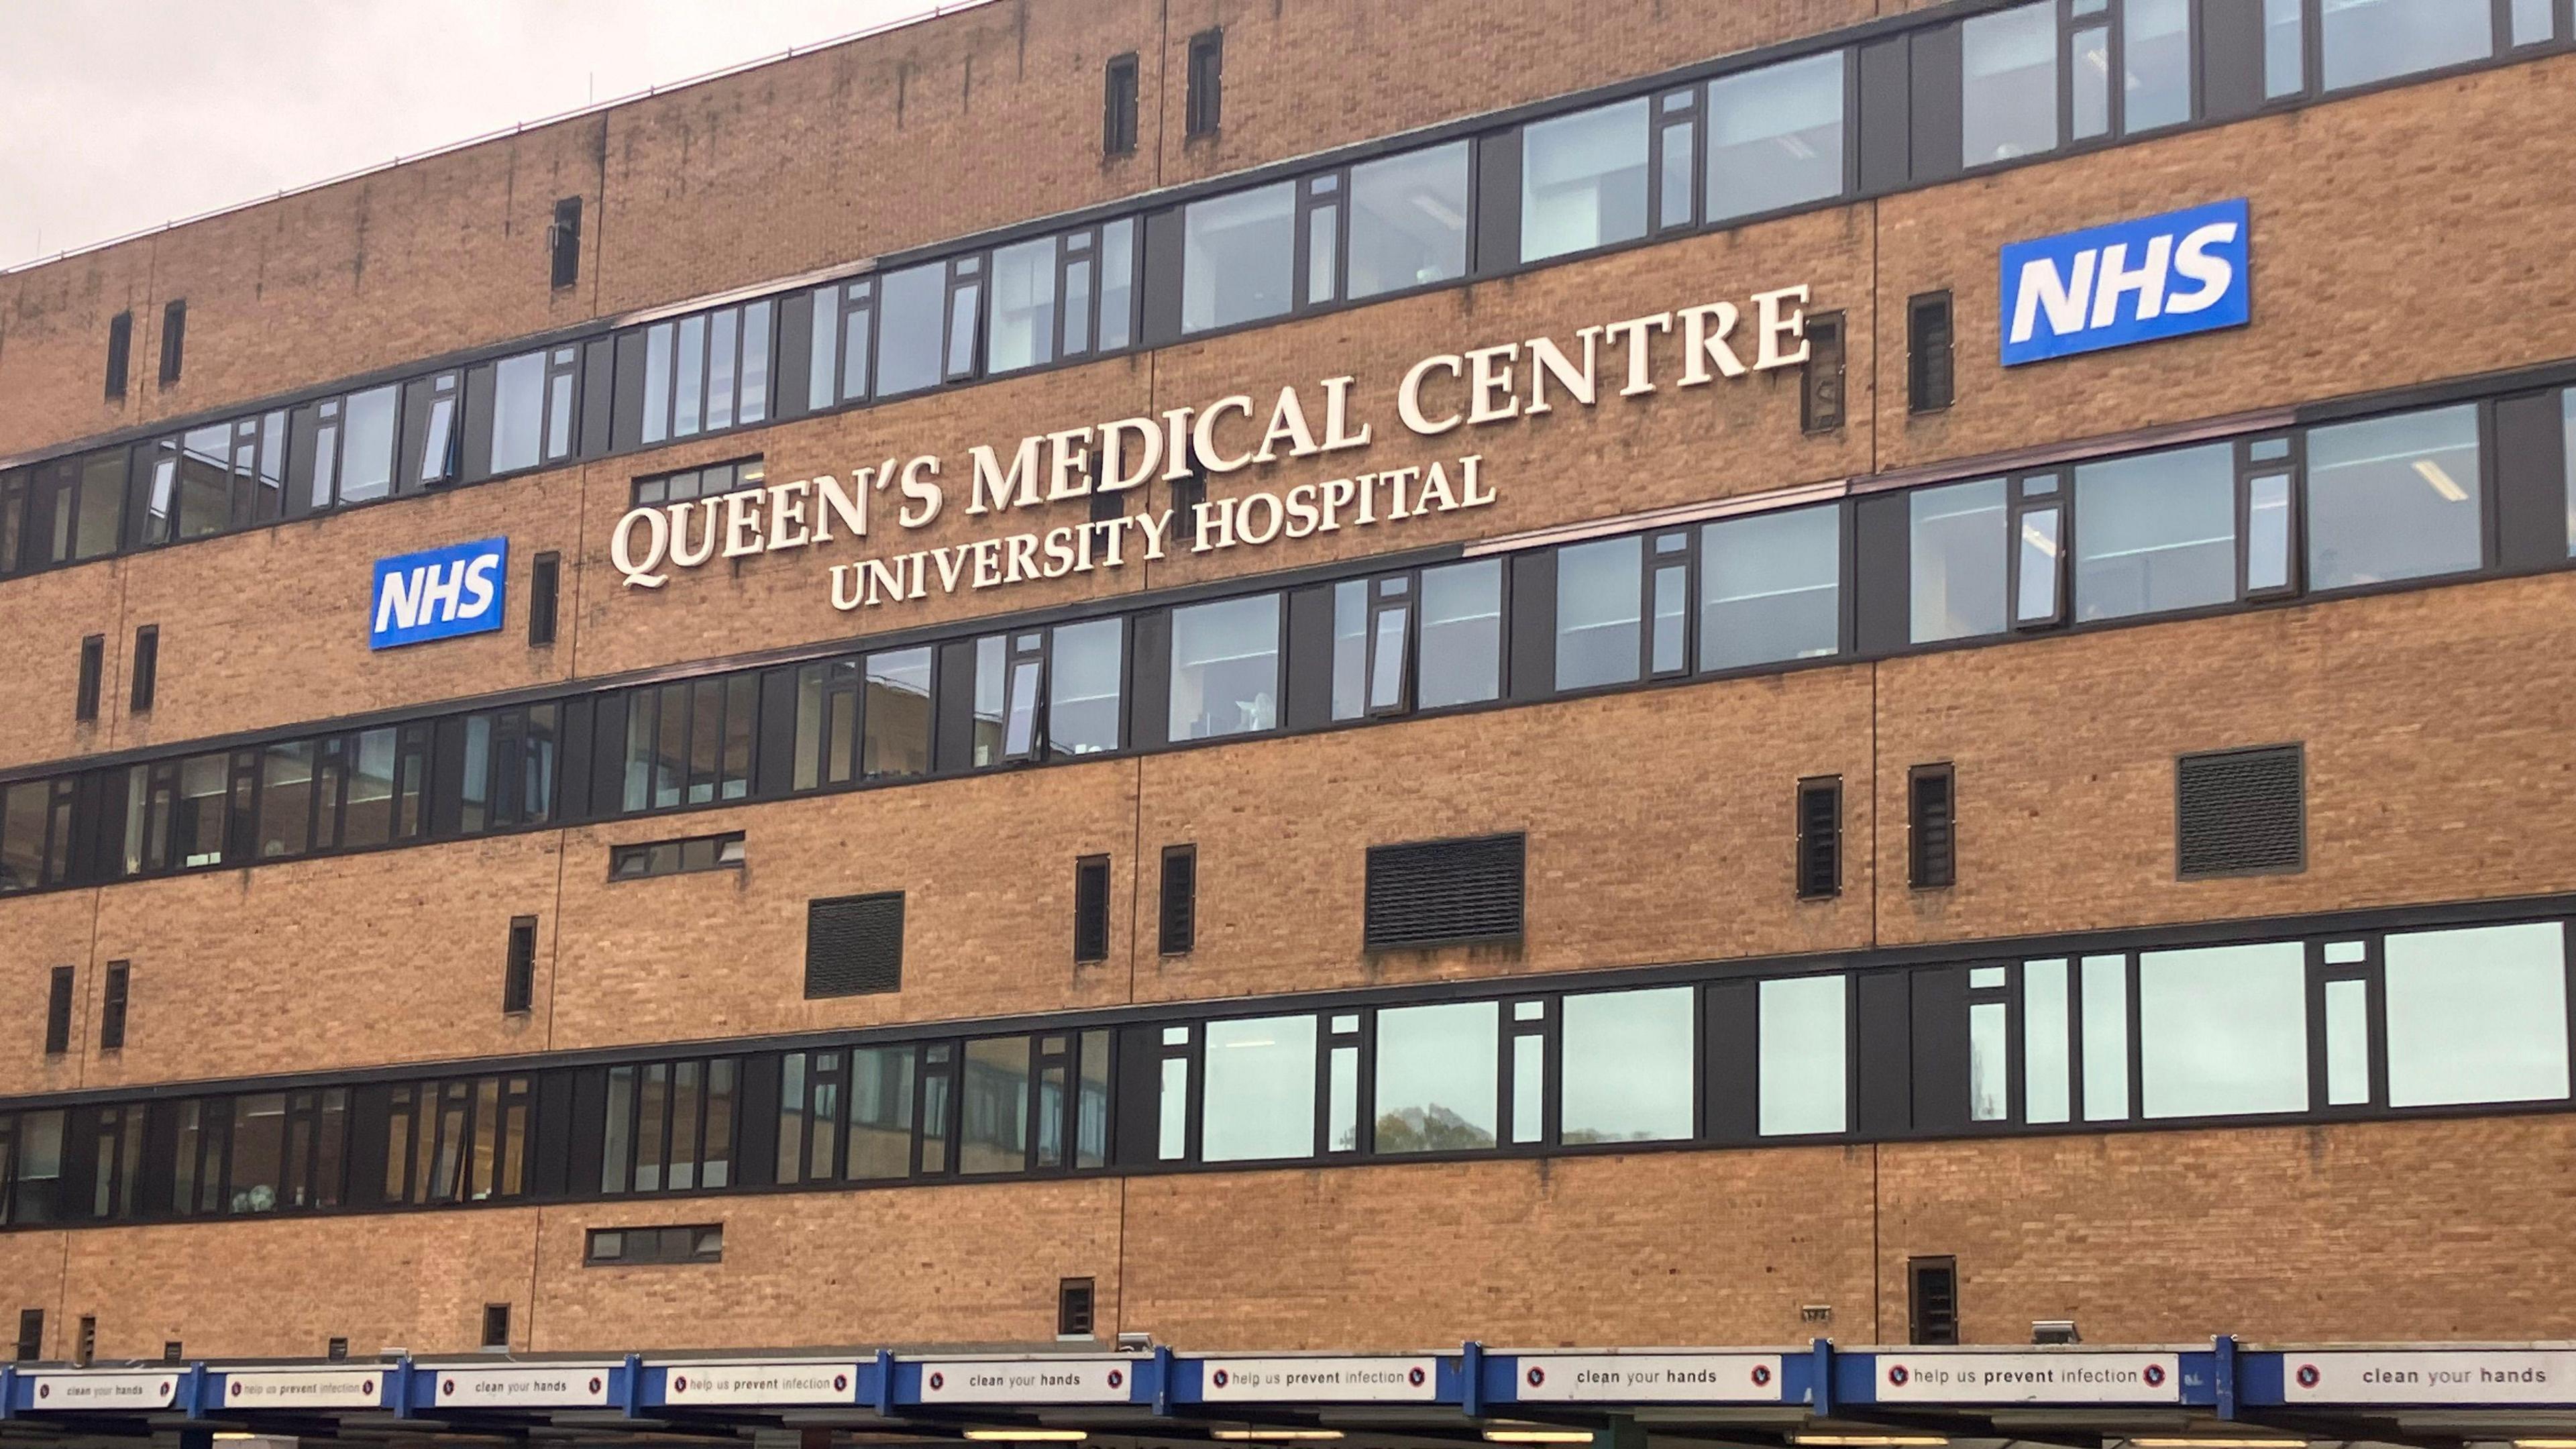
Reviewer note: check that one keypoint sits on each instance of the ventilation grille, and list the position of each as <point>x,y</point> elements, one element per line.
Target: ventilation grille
<point>1091,908</point>
<point>1934,1299</point>
<point>854,945</point>
<point>1931,817</point>
<point>1820,819</point>
<point>2240,811</point>
<point>1442,892</point>
<point>1180,914</point>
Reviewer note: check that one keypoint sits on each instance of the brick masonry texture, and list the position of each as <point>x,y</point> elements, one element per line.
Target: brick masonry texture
<point>1659,822</point>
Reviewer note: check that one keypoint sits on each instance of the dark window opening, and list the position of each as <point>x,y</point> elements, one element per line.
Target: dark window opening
<point>519,979</point>
<point>1820,844</point>
<point>1446,892</point>
<point>147,666</point>
<point>2238,812</point>
<point>85,1347</point>
<point>93,665</point>
<point>1206,82</point>
<point>31,1334</point>
<point>1091,908</point>
<point>682,1243</point>
<point>111,1009</point>
<point>676,857</point>
<point>174,339</point>
<point>1820,401</point>
<point>1928,379</point>
<point>1180,914</point>
<point>545,582</point>
<point>854,945</point>
<point>172,1350</point>
<point>692,483</point>
<point>563,242</point>
<point>1931,827</point>
<point>1073,1308</point>
<point>58,1013</point>
<point>496,1325</point>
<point>120,354</point>
<point>1932,1300</point>
<point>337,1351</point>
<point>1118,107</point>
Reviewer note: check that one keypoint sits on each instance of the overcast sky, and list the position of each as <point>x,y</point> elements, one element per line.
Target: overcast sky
<point>118,115</point>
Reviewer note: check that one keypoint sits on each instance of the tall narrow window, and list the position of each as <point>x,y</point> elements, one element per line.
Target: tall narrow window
<point>174,339</point>
<point>1820,838</point>
<point>147,664</point>
<point>1932,1300</point>
<point>1180,913</point>
<point>93,665</point>
<point>496,1325</point>
<point>1091,908</point>
<point>1073,1314</point>
<point>1931,836</point>
<point>111,1007</point>
<point>58,1013</point>
<point>1118,107</point>
<point>120,354</point>
<point>31,1334</point>
<point>563,242</point>
<point>1206,82</point>
<point>519,980</point>
<point>1820,399</point>
<point>545,582</point>
<point>1928,384</point>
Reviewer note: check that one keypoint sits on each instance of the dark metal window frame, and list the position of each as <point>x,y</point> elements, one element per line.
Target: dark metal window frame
<point>1203,106</point>
<point>653,859</point>
<point>1121,92</point>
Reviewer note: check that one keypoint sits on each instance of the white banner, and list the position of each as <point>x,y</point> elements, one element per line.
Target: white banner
<point>304,1388</point>
<point>1327,1380</point>
<point>1705,1378</point>
<point>570,1385</point>
<point>1071,1381</point>
<point>760,1383</point>
<point>2430,1376</point>
<point>2030,1378</point>
<point>105,1391</point>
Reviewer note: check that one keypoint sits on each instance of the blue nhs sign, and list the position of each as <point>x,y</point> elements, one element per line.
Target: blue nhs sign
<point>2133,281</point>
<point>439,593</point>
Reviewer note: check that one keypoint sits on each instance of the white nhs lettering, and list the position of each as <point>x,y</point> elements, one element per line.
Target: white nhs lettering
<point>432,594</point>
<point>2089,293</point>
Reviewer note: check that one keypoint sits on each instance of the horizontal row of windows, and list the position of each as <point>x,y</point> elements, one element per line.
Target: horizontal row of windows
<point>2300,1027</point>
<point>2443,492</point>
<point>1916,108</point>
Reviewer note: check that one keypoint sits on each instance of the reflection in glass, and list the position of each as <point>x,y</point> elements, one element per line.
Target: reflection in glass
<point>1583,180</point>
<point>1462,634</point>
<point>1172,1135</point>
<point>993,1106</point>
<point>2372,40</point>
<point>1022,330</point>
<point>1350,649</point>
<point>1800,1086</point>
<point>2008,83</point>
<point>1630,1061</point>
<point>2347,1043</point>
<point>2393,498</point>
<point>1238,254</point>
<point>2044,1056</point>
<point>2106,1038</point>
<point>1439,1077</point>
<point>2156,532</point>
<point>880,1113</point>
<point>1599,593</point>
<point>1225,668</point>
<point>2223,1030</point>
<point>2037,602</point>
<point>1409,220</point>
<point>1260,1092</point>
<point>1117,281</point>
<point>367,446</point>
<point>2155,40</point>
<point>2267,532</point>
<point>2477,1015</point>
<point>1769,588</point>
<point>2088,71</point>
<point>1082,694</point>
<point>908,328</point>
<point>2284,53</point>
<point>1958,560</point>
<point>1989,1061</point>
<point>896,739</point>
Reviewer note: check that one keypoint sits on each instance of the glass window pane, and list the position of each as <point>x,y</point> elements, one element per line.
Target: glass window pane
<point>2284,52</point>
<point>1237,256</point>
<point>1529,1088</point>
<point>1958,560</point>
<point>2088,69</point>
<point>1172,1135</point>
<point>285,799</point>
<point>2393,498</point>
<point>198,829</point>
<point>991,694</point>
<point>1672,614</point>
<point>1091,1103</point>
<point>518,411</point>
<point>1350,649</point>
<point>1023,324</point>
<point>993,1106</point>
<point>1117,282</point>
<point>1323,231</point>
<point>1770,588</point>
<point>1800,1087</point>
<point>897,738</point>
<point>1462,634</point>
<point>2156,45</point>
<point>2267,532</point>
<point>367,446</point>
<point>2156,532</point>
<point>688,384</point>
<point>1674,176</point>
<point>259,1145</point>
<point>1409,221</point>
<point>1082,692</point>
<point>2531,22</point>
<point>2567,424</point>
<point>908,328</point>
<point>2477,1015</point>
<point>1019,734</point>
<point>1583,180</point>
<point>22,836</point>
<point>1629,1066</point>
<point>2223,1030</point>
<point>1599,593</point>
<point>2039,553</point>
<point>962,305</point>
<point>1386,678</point>
<point>1989,1061</point>
<point>854,350</point>
<point>2044,1056</point>
<point>1439,1077</point>
<point>1775,137</point>
<point>1225,668</point>
<point>823,360</point>
<point>2008,83</point>
<point>721,343</point>
<point>1077,307</point>
<point>2106,1038</point>
<point>2369,40</point>
<point>1260,1089</point>
<point>1343,1124</point>
<point>2347,1043</point>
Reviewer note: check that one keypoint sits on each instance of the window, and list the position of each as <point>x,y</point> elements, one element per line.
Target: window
<point>1259,1094</point>
<point>1445,892</point>
<point>147,666</point>
<point>1091,908</point>
<point>31,1334</point>
<point>2223,1030</point>
<point>2374,40</point>
<point>76,507</point>
<point>351,459</point>
<point>628,1247</point>
<point>58,1012</point>
<point>1073,1308</point>
<point>1238,257</point>
<point>993,1106</point>
<point>519,971</point>
<point>837,369</point>
<point>1599,609</point>
<point>23,815</point>
<point>1206,83</point>
<point>2155,532</point>
<point>896,738</point>
<point>1957,564</point>
<point>1084,667</point>
<point>2567,433</point>
<point>688,742</point>
<point>1775,137</point>
<point>496,1326</point>
<point>431,437</point>
<point>120,354</point>
<point>2240,811</point>
<point>707,372</point>
<point>1799,1087</point>
<point>1931,833</point>
<point>2008,84</point>
<point>1460,637</point>
<point>93,665</point>
<point>1118,107</point>
<point>2155,42</point>
<point>854,945</point>
<point>1225,668</point>
<point>1583,180</point>
<point>2394,498</point>
<point>563,243</point>
<point>1179,915</point>
<point>1770,588</point>
<point>1439,1077</point>
<point>1928,374</point>
<point>1932,1300</point>
<point>545,583</point>
<point>1408,221</point>
<point>881,1097</point>
<point>909,329</point>
<point>2046,1056</point>
<point>676,857</point>
<point>111,1008</point>
<point>2284,58</point>
<point>1027,685</point>
<point>1820,396</point>
<point>174,339</point>
<point>532,409</point>
<point>1820,838</point>
<point>461,1140</point>
<point>1630,1066</point>
<point>2477,1015</point>
<point>2105,1036</point>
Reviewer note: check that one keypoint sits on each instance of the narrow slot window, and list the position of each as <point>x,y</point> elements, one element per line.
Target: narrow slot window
<point>1819,860</point>
<point>1928,371</point>
<point>1931,834</point>
<point>1205,103</point>
<point>1118,107</point>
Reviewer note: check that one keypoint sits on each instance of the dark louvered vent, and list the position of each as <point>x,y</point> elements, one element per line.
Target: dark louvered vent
<point>1820,838</point>
<point>854,945</point>
<point>1932,1300</point>
<point>1091,908</point>
<point>2240,810</point>
<point>1932,827</point>
<point>1442,892</point>
<point>1180,914</point>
